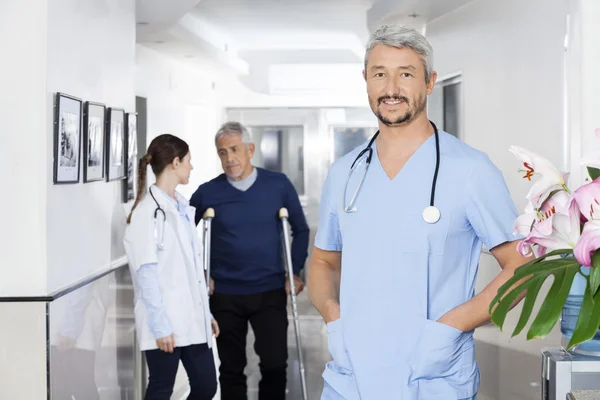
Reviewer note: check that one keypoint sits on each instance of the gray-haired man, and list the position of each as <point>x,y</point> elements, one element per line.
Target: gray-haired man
<point>247,262</point>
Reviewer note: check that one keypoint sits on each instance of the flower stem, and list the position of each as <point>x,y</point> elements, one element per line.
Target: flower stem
<point>566,188</point>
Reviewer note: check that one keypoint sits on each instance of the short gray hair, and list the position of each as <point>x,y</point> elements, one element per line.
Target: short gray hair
<point>234,128</point>
<point>400,37</point>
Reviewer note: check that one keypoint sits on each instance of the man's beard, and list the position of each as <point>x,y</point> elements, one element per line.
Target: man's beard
<point>410,115</point>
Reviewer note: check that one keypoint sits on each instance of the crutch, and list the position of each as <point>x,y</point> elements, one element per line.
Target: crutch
<point>283,215</point>
<point>209,214</point>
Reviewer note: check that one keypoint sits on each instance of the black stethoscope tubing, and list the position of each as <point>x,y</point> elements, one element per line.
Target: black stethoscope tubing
<point>369,150</point>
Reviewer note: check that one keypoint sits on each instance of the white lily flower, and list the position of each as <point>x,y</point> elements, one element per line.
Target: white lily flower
<point>550,177</point>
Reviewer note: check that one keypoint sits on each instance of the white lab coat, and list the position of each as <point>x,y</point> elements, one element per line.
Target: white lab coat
<point>180,273</point>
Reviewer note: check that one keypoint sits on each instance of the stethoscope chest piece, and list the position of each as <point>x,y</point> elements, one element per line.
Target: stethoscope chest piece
<point>431,214</point>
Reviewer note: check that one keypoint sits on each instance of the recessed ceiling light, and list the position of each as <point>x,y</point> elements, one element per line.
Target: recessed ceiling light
<point>159,41</point>
<point>143,23</point>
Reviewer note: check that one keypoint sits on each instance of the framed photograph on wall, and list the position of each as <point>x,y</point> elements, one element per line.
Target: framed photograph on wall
<point>116,159</point>
<point>130,185</point>
<point>67,138</point>
<point>94,123</point>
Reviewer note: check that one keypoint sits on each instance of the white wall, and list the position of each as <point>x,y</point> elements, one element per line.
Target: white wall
<point>23,361</point>
<point>510,54</point>
<point>182,102</point>
<point>511,57</point>
<point>583,84</point>
<point>23,147</point>
<point>90,56</point>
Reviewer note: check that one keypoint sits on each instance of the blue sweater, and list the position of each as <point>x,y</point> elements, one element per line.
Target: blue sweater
<point>247,238</point>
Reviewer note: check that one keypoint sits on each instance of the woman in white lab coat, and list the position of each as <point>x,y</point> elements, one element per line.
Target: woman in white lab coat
<point>172,313</point>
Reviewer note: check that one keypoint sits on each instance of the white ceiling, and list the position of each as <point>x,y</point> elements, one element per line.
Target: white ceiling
<point>249,38</point>
<point>253,22</point>
<point>405,11</point>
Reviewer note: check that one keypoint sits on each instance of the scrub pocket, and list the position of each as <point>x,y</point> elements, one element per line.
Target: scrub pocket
<point>337,349</point>
<point>338,374</point>
<point>442,352</point>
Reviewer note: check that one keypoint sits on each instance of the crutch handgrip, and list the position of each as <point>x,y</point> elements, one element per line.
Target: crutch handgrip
<point>283,213</point>
<point>209,213</point>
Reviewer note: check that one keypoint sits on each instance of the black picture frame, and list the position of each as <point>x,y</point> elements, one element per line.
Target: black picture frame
<point>94,138</point>
<point>130,184</point>
<point>67,138</point>
<point>116,151</point>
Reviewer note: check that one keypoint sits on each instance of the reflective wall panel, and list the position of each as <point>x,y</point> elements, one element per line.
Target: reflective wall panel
<point>92,339</point>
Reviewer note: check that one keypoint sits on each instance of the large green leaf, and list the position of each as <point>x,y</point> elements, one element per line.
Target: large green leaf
<point>553,303</point>
<point>501,311</point>
<point>594,172</point>
<point>588,320</point>
<point>547,265</point>
<point>544,269</point>
<point>527,280</point>
<point>532,292</point>
<point>595,274</point>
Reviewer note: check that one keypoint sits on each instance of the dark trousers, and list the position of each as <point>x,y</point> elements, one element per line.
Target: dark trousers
<point>267,313</point>
<point>199,365</point>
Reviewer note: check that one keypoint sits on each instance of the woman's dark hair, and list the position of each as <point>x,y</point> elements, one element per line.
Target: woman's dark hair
<point>161,152</point>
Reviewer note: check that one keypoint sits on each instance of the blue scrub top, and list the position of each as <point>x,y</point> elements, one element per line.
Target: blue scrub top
<point>400,274</point>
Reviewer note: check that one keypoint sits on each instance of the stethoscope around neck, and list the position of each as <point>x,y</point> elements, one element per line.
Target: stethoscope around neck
<point>159,236</point>
<point>431,214</point>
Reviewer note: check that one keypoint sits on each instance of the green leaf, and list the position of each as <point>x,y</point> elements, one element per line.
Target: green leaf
<point>594,172</point>
<point>527,280</point>
<point>595,273</point>
<point>553,303</point>
<point>588,320</point>
<point>500,312</point>
<point>532,292</point>
<point>546,268</point>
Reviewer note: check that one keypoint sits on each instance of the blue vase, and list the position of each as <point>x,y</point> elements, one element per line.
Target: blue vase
<point>570,313</point>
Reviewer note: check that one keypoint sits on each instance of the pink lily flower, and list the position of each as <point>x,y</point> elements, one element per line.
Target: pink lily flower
<point>588,243</point>
<point>558,203</point>
<point>558,231</point>
<point>587,198</point>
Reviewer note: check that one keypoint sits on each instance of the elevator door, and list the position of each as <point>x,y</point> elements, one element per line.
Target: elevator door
<point>281,149</point>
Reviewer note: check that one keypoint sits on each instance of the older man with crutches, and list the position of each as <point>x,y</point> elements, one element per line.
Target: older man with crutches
<point>247,263</point>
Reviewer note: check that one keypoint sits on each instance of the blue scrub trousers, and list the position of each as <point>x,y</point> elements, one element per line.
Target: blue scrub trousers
<point>330,394</point>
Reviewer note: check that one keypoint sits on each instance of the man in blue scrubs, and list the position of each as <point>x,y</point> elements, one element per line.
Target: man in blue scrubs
<point>397,292</point>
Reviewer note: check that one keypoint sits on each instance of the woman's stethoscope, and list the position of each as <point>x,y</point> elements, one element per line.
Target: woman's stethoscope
<point>431,214</point>
<point>159,243</point>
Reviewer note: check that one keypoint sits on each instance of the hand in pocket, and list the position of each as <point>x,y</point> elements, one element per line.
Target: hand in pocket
<point>337,349</point>
<point>438,353</point>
